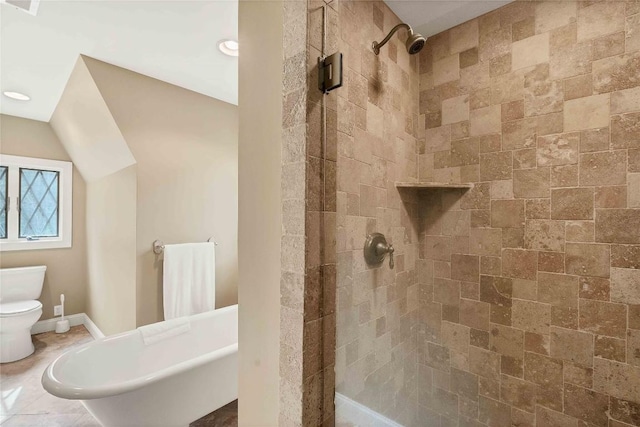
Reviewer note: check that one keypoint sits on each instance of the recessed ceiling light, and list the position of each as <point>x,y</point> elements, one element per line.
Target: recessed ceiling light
<point>16,95</point>
<point>229,47</point>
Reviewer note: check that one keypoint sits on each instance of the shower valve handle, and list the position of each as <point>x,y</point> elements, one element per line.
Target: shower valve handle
<point>391,262</point>
<point>386,248</point>
<point>376,249</point>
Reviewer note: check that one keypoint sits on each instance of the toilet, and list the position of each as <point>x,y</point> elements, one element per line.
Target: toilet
<point>19,310</point>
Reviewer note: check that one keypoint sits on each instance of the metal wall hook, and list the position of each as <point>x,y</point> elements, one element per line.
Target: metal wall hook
<point>158,246</point>
<point>376,249</point>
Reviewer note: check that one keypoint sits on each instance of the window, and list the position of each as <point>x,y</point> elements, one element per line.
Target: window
<point>35,203</point>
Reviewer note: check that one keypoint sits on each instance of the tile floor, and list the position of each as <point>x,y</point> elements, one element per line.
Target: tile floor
<point>26,403</point>
<point>227,416</point>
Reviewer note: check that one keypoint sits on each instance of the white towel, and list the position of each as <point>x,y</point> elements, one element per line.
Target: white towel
<point>162,330</point>
<point>189,279</point>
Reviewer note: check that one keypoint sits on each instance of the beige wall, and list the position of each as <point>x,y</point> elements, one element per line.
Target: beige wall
<point>87,129</point>
<point>186,149</point>
<point>66,268</point>
<point>111,244</point>
<point>260,223</point>
<point>89,134</point>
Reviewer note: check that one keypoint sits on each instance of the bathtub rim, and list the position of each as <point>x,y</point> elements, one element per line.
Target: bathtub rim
<point>59,389</point>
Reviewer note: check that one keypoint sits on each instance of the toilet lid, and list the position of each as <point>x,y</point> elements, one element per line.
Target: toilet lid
<point>19,307</point>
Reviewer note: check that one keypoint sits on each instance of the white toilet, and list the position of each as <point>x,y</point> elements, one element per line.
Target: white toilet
<point>19,310</point>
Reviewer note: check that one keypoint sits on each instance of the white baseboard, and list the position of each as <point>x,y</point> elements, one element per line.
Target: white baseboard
<point>95,332</point>
<point>50,324</point>
<point>350,411</point>
<point>74,320</point>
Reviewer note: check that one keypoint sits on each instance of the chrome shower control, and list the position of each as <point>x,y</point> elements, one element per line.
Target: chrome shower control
<point>376,249</point>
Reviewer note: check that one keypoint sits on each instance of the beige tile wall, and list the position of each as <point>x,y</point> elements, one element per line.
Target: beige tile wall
<point>320,283</point>
<point>529,284</point>
<point>513,304</point>
<point>307,348</point>
<point>294,168</point>
<point>377,124</point>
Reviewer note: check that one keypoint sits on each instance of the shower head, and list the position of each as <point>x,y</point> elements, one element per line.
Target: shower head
<point>415,42</point>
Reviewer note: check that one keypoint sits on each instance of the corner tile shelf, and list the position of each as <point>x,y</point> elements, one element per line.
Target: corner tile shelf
<point>428,185</point>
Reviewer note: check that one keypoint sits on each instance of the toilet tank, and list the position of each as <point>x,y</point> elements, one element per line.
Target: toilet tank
<point>22,283</point>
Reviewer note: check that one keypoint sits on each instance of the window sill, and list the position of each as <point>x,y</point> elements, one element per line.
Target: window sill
<point>24,245</point>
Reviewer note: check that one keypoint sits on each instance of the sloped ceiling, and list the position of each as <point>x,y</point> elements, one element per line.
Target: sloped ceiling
<point>173,41</point>
<point>87,129</point>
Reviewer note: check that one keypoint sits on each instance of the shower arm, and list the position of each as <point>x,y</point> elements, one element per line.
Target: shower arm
<point>376,46</point>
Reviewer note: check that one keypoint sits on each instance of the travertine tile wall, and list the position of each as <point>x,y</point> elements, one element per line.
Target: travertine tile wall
<point>320,283</point>
<point>307,349</point>
<point>529,284</point>
<point>377,123</point>
<point>294,169</point>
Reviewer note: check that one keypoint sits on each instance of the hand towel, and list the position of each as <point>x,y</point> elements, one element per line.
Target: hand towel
<point>189,279</point>
<point>162,330</point>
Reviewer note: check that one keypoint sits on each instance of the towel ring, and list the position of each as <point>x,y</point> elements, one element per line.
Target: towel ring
<point>158,246</point>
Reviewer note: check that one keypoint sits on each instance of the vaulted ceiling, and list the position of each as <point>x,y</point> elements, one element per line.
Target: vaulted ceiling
<point>173,41</point>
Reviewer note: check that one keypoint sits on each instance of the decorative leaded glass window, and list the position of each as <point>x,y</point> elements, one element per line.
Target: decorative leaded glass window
<point>35,203</point>
<point>38,203</point>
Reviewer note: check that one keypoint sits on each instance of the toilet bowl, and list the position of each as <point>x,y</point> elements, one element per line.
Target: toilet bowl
<point>19,310</point>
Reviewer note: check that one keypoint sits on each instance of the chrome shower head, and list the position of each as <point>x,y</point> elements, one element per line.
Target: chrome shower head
<point>415,42</point>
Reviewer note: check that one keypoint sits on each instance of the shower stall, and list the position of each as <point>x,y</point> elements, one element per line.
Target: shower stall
<point>500,162</point>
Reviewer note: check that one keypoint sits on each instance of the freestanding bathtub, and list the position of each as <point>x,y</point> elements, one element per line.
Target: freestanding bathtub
<point>124,382</point>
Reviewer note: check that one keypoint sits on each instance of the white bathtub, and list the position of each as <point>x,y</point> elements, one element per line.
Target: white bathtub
<point>173,382</point>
